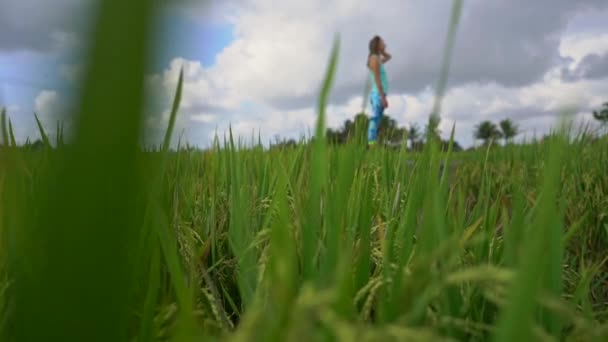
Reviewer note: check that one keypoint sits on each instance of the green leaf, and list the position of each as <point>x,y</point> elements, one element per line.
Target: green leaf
<point>313,225</point>
<point>76,282</point>
<point>43,135</point>
<point>541,251</point>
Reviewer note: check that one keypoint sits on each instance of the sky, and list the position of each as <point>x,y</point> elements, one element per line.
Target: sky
<point>257,65</point>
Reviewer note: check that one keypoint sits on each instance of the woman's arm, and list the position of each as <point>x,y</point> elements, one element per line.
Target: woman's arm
<point>386,57</point>
<point>375,66</point>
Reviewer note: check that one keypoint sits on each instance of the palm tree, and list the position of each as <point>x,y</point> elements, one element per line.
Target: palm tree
<point>487,131</point>
<point>602,114</point>
<point>508,129</point>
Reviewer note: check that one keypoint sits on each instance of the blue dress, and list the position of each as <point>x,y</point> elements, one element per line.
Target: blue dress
<point>376,103</point>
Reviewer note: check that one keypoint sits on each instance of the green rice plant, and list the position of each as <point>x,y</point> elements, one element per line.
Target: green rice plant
<point>43,135</point>
<point>103,239</point>
<point>75,282</point>
<point>4,130</point>
<point>542,250</point>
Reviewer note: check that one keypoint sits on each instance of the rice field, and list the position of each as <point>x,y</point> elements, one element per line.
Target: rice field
<point>103,240</point>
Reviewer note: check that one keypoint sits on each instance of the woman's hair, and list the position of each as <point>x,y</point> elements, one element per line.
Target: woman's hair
<point>374,47</point>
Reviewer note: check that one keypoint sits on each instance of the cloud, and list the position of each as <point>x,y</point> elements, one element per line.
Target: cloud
<point>592,66</point>
<point>208,11</point>
<point>210,103</point>
<point>58,25</point>
<point>587,56</point>
<point>37,25</point>
<point>204,102</point>
<point>281,48</point>
<point>510,60</point>
<point>47,102</point>
<point>51,107</point>
<point>531,106</point>
<point>577,46</point>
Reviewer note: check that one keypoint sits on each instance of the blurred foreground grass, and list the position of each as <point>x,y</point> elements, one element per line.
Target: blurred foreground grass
<point>102,241</point>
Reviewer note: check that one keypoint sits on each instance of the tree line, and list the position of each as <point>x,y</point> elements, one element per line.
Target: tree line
<point>390,133</point>
<point>415,137</point>
<point>412,135</point>
<point>601,115</point>
<point>489,132</point>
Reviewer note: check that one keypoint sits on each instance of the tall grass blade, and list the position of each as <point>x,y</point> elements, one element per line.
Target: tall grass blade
<point>313,224</point>
<point>541,251</point>
<point>75,284</point>
<point>447,56</point>
<point>446,163</point>
<point>3,128</point>
<point>43,135</point>
<point>174,108</point>
<point>282,266</point>
<point>11,134</point>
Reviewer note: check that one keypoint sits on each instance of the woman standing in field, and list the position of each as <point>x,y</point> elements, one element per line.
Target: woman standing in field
<point>375,62</point>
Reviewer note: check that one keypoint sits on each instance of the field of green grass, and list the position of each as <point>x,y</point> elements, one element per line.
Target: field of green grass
<point>103,241</point>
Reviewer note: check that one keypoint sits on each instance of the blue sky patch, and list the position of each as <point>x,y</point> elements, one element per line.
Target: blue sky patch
<point>188,38</point>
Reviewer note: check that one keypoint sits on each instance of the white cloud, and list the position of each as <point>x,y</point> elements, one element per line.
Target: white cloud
<point>506,62</point>
<point>535,107</point>
<point>52,108</point>
<point>281,48</point>
<point>42,25</point>
<point>278,59</point>
<point>46,102</point>
<point>200,88</point>
<point>577,46</point>
<point>203,117</point>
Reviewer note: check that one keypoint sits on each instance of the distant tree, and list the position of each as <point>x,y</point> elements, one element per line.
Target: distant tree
<point>445,144</point>
<point>356,130</point>
<point>334,136</point>
<point>359,128</point>
<point>413,134</point>
<point>487,131</point>
<point>601,115</point>
<point>432,128</point>
<point>399,135</point>
<point>283,143</point>
<point>289,143</point>
<point>189,148</point>
<point>390,131</point>
<point>37,145</point>
<point>348,125</point>
<point>387,125</point>
<point>361,118</point>
<point>509,130</point>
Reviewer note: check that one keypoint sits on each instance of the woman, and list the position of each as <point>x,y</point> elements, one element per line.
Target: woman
<point>375,62</point>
